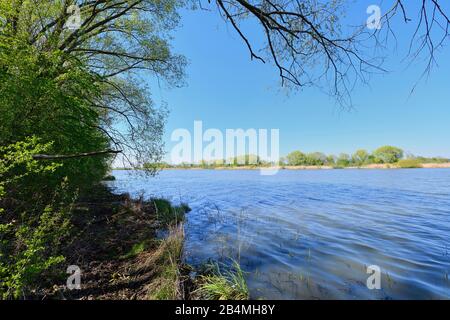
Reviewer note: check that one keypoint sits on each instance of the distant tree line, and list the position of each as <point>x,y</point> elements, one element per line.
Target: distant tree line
<point>361,157</point>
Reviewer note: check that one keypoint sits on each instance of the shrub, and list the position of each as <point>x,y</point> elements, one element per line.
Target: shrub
<point>409,163</point>
<point>30,231</point>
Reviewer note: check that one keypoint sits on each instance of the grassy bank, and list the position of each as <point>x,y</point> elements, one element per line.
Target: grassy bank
<point>115,244</point>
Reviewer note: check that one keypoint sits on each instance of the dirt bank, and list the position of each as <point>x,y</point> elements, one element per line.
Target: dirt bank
<point>116,247</point>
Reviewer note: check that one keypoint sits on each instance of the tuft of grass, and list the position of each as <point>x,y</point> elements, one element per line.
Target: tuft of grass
<point>167,214</point>
<point>230,285</point>
<point>409,163</point>
<point>167,259</point>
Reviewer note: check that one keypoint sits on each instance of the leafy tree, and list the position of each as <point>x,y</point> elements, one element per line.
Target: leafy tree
<point>331,160</point>
<point>296,158</point>
<point>316,159</point>
<point>98,66</point>
<point>387,154</point>
<point>360,157</point>
<point>78,93</point>
<point>343,160</point>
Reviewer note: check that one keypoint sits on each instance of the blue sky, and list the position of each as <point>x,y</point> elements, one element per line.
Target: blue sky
<point>225,89</point>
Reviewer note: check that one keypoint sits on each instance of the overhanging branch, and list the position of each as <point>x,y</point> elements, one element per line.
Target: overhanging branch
<point>70,156</point>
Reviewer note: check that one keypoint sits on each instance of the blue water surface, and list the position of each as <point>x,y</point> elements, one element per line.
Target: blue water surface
<point>311,234</point>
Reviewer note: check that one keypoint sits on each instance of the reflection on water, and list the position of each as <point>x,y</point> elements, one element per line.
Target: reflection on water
<point>312,234</point>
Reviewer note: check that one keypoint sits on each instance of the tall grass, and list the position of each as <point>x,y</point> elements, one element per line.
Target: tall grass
<point>217,285</point>
<point>166,261</point>
<point>167,214</point>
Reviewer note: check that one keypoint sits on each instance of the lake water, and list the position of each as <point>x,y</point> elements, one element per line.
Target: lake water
<point>312,234</point>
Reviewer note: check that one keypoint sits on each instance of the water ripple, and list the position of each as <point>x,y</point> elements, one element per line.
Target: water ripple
<point>312,234</point>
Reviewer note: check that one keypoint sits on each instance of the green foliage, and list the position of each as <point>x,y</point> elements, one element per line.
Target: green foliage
<point>409,163</point>
<point>109,178</point>
<point>296,158</point>
<point>245,160</point>
<point>316,159</point>
<point>155,165</point>
<point>331,160</point>
<point>387,154</point>
<point>70,92</point>
<point>29,234</point>
<point>37,100</point>
<point>166,284</point>
<point>360,157</point>
<point>167,214</point>
<point>218,285</point>
<point>432,160</point>
<point>343,160</point>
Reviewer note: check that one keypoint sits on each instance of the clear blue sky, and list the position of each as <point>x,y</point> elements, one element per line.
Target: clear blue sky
<point>226,90</point>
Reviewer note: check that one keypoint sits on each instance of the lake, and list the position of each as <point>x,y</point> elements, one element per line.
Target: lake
<point>311,234</point>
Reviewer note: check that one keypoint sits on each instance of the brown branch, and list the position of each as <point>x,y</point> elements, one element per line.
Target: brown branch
<point>71,156</point>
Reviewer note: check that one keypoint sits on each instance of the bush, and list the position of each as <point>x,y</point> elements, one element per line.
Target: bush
<point>409,163</point>
<point>30,231</point>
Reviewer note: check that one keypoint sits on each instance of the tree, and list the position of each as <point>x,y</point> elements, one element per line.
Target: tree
<point>303,39</point>
<point>296,158</point>
<point>431,21</point>
<point>316,159</point>
<point>388,154</point>
<point>69,99</point>
<point>309,45</point>
<point>115,43</point>
<point>343,160</point>
<point>331,160</point>
<point>360,157</point>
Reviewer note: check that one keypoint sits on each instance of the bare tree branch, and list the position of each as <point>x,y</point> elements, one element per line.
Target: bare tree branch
<point>71,156</point>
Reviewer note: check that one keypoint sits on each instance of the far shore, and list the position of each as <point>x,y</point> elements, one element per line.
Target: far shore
<point>370,166</point>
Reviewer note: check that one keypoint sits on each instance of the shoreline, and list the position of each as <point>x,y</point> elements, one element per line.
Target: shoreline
<point>129,248</point>
<point>445,165</point>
